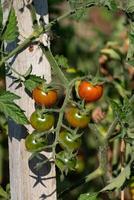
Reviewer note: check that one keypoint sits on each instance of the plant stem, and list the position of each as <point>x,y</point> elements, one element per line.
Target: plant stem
<point>82,181</point>
<point>40,30</point>
<point>95,174</point>
<point>59,123</point>
<point>23,45</point>
<point>112,128</point>
<point>54,65</point>
<point>69,13</point>
<point>21,77</point>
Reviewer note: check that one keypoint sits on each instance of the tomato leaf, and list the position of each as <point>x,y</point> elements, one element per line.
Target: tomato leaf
<point>3,193</point>
<point>10,32</point>
<point>130,6</point>
<point>117,183</point>
<point>76,4</point>
<point>88,196</point>
<point>130,57</point>
<point>62,61</point>
<point>10,109</point>
<point>122,110</point>
<point>32,81</point>
<point>111,53</point>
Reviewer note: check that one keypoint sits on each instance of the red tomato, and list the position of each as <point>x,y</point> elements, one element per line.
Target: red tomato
<point>89,92</point>
<point>44,98</point>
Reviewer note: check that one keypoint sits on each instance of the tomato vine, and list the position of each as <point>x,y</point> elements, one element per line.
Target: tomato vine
<point>74,113</point>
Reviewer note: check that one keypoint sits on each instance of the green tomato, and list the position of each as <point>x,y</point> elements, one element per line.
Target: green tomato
<point>64,162</point>
<point>68,141</point>
<point>34,143</point>
<point>42,122</point>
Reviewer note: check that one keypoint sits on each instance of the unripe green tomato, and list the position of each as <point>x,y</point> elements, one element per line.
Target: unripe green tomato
<point>42,122</point>
<point>63,161</point>
<point>67,141</point>
<point>33,143</point>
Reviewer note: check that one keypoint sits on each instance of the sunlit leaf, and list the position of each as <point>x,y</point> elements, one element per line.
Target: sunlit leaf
<point>117,183</point>
<point>10,32</point>
<point>88,196</point>
<point>10,109</point>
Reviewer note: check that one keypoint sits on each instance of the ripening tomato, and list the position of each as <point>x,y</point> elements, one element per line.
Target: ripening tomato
<point>64,162</point>
<point>69,141</point>
<point>76,118</point>
<point>89,92</point>
<point>33,143</point>
<point>42,122</point>
<point>43,98</point>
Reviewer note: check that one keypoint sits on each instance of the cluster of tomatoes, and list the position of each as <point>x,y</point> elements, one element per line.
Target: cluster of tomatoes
<point>69,138</point>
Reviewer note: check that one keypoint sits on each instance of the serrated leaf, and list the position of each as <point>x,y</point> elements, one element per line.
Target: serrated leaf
<point>10,32</point>
<point>122,110</point>
<point>118,182</point>
<point>8,96</point>
<point>62,61</point>
<point>32,81</point>
<point>3,193</point>
<point>88,196</point>
<point>10,109</point>
<point>76,4</point>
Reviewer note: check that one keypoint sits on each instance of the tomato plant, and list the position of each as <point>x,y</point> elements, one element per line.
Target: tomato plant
<point>76,117</point>
<point>89,92</point>
<point>69,141</point>
<point>35,143</point>
<point>42,122</point>
<point>118,155</point>
<point>44,98</point>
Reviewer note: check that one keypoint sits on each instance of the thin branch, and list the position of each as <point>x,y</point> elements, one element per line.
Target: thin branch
<point>40,30</point>
<point>54,65</point>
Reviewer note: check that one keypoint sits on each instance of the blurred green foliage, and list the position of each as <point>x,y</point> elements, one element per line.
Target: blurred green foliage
<point>82,43</point>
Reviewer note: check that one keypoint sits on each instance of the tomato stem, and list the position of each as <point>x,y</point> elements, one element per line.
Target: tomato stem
<point>40,30</point>
<point>54,65</point>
